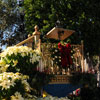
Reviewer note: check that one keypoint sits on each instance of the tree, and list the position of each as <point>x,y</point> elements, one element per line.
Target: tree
<point>11,23</point>
<point>80,15</point>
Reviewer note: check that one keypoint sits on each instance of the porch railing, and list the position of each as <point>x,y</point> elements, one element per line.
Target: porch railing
<point>47,61</point>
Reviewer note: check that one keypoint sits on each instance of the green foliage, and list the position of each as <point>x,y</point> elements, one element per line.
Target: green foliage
<point>11,83</point>
<point>24,60</point>
<point>39,80</point>
<point>56,56</point>
<point>84,79</point>
<point>12,28</point>
<point>7,16</point>
<point>20,59</point>
<point>79,15</point>
<point>87,93</point>
<point>9,92</point>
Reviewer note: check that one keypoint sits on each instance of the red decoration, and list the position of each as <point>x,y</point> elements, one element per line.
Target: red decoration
<point>65,54</point>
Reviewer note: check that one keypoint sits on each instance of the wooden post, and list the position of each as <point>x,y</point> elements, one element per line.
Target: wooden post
<point>30,42</point>
<point>36,34</point>
<point>83,68</point>
<point>39,45</point>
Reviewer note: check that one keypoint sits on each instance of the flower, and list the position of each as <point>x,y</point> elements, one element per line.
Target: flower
<point>8,79</point>
<point>2,62</point>
<point>15,62</point>
<point>17,96</point>
<point>12,56</point>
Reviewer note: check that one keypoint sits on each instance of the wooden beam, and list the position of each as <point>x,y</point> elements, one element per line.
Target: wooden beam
<point>60,79</point>
<point>25,41</point>
<point>83,67</point>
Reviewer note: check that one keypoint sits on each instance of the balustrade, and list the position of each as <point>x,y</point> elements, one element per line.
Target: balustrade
<point>47,62</point>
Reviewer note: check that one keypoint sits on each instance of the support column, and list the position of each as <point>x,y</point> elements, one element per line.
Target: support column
<point>83,67</point>
<point>36,34</point>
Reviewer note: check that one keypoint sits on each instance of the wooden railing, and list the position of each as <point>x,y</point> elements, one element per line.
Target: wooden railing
<point>25,41</point>
<point>47,64</point>
<point>52,67</point>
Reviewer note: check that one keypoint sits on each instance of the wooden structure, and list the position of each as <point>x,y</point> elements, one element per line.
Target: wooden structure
<point>46,63</point>
<point>60,79</point>
<point>59,33</point>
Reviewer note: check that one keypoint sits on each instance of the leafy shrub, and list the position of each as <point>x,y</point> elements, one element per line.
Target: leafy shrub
<point>19,59</point>
<point>84,79</point>
<point>12,83</point>
<point>24,60</point>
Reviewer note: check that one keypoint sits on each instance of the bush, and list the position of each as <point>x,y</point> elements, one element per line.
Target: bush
<point>84,79</point>
<point>12,83</point>
<point>24,60</point>
<point>19,59</point>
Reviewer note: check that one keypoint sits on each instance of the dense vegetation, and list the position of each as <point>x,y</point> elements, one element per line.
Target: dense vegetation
<point>79,15</point>
<point>11,23</point>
